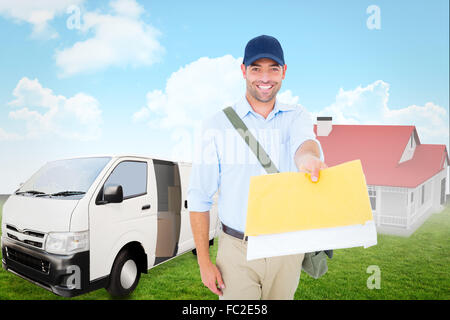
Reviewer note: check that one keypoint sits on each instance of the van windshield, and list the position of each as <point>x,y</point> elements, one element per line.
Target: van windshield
<point>69,178</point>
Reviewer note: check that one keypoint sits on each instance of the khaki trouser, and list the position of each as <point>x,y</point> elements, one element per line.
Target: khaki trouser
<point>270,278</point>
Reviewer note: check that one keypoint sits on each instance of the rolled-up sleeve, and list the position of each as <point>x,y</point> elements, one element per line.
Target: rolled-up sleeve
<point>205,173</point>
<point>302,129</point>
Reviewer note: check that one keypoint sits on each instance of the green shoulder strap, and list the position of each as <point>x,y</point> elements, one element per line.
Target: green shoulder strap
<point>251,141</point>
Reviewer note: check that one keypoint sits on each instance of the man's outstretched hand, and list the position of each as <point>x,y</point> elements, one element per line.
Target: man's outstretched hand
<point>310,164</point>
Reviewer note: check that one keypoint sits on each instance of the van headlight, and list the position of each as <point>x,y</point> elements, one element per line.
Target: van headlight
<point>67,242</point>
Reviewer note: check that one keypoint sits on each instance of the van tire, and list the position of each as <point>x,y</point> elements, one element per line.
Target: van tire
<point>125,275</point>
<point>211,243</point>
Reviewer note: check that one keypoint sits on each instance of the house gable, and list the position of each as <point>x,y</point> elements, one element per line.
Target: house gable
<point>410,148</point>
<point>445,158</point>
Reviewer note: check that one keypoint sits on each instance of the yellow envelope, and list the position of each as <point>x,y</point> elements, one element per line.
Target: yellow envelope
<point>290,201</point>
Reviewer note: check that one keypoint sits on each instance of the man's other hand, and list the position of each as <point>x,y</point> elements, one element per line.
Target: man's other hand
<point>212,278</point>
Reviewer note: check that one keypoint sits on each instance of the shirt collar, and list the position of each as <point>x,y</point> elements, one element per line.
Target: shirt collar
<point>243,107</point>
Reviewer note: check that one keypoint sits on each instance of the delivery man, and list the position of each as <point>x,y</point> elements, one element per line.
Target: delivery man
<point>286,134</point>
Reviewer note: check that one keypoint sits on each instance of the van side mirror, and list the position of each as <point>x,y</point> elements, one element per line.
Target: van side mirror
<point>113,194</point>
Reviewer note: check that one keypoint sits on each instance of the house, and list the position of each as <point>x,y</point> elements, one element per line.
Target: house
<point>406,180</point>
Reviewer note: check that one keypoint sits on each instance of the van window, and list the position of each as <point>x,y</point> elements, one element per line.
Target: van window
<point>132,176</point>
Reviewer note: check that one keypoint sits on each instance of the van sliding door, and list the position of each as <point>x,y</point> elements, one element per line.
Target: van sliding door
<point>169,209</point>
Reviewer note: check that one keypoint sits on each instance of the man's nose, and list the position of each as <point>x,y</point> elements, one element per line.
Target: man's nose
<point>265,76</point>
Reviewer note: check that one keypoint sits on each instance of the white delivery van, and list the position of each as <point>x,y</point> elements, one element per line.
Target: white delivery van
<point>86,223</point>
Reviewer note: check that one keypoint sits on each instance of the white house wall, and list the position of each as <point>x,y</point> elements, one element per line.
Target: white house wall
<point>436,196</point>
<point>397,215</point>
<point>428,190</point>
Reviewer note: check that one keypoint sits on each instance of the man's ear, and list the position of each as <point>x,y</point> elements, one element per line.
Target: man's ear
<point>244,71</point>
<point>284,71</point>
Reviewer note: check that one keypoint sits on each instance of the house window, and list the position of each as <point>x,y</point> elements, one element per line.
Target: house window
<point>423,194</point>
<point>412,197</point>
<point>373,198</point>
<point>443,191</point>
<point>411,141</point>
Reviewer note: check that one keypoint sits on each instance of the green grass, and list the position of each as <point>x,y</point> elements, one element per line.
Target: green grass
<point>411,268</point>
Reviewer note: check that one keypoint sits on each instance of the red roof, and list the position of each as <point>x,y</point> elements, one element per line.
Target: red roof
<point>380,148</point>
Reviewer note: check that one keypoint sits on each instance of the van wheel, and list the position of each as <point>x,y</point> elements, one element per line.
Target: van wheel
<point>124,276</point>
<point>211,243</point>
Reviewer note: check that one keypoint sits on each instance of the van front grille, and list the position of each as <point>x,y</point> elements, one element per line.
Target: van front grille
<point>34,234</point>
<point>28,260</point>
<point>33,238</point>
<point>13,236</point>
<point>33,243</point>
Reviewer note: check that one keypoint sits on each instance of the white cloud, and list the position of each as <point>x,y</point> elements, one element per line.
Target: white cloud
<point>31,93</point>
<point>369,105</point>
<point>4,136</point>
<point>361,105</point>
<point>196,91</point>
<point>129,8</point>
<point>430,120</point>
<point>44,113</point>
<point>37,13</point>
<point>207,85</point>
<point>287,97</point>
<point>120,39</point>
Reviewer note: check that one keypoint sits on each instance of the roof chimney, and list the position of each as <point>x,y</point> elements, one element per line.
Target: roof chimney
<point>324,126</point>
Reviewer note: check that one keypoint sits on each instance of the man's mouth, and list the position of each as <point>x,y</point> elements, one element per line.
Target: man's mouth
<point>264,87</point>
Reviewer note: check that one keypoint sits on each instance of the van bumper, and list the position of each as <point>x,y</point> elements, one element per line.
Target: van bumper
<point>64,275</point>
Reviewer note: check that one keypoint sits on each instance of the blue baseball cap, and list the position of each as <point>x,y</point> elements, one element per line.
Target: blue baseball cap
<point>263,47</point>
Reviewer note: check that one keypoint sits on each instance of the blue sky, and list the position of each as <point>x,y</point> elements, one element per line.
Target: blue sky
<point>135,76</point>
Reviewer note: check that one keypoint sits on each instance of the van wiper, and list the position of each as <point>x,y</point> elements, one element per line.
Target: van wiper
<point>67,193</point>
<point>43,194</point>
<point>30,192</point>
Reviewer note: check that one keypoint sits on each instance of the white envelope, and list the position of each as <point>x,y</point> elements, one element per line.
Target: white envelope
<point>272,245</point>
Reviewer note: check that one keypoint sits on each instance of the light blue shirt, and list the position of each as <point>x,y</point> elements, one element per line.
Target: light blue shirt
<point>225,163</point>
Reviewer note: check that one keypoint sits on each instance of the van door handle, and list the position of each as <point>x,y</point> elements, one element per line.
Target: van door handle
<point>146,207</point>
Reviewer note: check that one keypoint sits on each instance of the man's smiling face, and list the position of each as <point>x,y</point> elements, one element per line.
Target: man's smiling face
<point>263,77</point>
